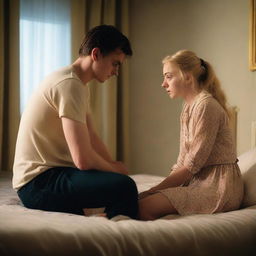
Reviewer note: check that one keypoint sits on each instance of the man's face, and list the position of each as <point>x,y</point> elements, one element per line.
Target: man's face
<point>106,66</point>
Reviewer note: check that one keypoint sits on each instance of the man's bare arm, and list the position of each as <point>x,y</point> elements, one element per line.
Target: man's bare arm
<point>82,152</point>
<point>100,147</point>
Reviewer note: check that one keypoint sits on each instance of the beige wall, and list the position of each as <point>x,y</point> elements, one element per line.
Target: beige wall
<point>217,31</point>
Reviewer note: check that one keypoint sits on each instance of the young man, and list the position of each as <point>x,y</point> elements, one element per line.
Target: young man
<point>60,162</point>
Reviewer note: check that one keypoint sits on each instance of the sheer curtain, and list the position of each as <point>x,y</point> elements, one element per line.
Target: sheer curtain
<point>45,42</point>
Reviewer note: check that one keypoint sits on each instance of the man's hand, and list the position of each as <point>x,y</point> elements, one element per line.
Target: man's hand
<point>119,167</point>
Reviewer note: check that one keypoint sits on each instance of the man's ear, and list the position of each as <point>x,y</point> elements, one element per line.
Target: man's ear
<point>95,54</point>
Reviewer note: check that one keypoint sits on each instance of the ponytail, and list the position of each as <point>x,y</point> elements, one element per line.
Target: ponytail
<point>209,82</point>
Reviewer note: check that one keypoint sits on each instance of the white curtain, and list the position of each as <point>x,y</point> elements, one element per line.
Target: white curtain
<point>45,43</point>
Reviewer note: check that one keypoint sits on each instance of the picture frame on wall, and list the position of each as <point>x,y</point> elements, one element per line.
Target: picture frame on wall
<point>252,40</point>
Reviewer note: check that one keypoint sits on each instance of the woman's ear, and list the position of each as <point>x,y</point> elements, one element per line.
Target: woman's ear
<point>95,54</point>
<point>188,78</point>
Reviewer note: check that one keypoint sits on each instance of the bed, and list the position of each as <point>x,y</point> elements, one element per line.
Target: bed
<point>33,232</point>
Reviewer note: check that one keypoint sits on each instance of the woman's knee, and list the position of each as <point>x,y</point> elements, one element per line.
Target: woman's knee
<point>155,206</point>
<point>145,212</point>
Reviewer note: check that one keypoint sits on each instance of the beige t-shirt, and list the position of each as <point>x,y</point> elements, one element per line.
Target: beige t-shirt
<point>41,143</point>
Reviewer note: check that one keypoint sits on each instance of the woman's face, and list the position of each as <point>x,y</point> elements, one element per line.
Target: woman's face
<point>173,83</point>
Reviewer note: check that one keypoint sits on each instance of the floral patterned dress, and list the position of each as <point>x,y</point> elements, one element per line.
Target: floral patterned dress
<point>207,150</point>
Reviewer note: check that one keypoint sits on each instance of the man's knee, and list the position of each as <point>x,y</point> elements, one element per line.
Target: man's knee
<point>130,182</point>
<point>126,183</point>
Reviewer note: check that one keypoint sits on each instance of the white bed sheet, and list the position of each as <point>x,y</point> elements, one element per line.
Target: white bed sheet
<point>34,232</point>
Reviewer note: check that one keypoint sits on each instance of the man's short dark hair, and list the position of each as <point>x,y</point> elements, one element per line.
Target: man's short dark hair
<point>107,38</point>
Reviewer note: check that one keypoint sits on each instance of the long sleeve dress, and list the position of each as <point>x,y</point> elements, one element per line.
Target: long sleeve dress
<point>207,150</point>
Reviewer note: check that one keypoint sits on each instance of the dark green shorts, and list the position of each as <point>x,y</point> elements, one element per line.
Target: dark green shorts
<point>67,189</point>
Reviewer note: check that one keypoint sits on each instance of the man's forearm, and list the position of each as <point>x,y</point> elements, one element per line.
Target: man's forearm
<point>100,148</point>
<point>96,142</point>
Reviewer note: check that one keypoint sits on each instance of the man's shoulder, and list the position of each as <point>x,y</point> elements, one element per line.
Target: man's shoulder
<point>62,74</point>
<point>60,78</point>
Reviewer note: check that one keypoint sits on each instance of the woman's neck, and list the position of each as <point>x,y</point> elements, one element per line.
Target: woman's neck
<point>191,96</point>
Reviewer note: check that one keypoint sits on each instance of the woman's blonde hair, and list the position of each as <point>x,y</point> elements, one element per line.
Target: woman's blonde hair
<point>187,61</point>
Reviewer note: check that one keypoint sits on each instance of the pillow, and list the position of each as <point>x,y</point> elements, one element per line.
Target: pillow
<point>247,164</point>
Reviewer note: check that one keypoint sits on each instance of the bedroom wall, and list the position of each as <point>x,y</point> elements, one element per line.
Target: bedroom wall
<point>215,30</point>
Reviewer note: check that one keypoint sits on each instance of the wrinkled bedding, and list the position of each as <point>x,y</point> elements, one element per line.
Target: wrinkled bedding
<point>34,232</point>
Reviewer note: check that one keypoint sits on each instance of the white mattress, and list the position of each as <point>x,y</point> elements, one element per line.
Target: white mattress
<point>34,232</point>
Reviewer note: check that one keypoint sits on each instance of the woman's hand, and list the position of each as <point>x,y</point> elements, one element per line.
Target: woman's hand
<point>146,193</point>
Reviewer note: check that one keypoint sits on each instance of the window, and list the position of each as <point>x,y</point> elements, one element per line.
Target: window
<point>45,42</point>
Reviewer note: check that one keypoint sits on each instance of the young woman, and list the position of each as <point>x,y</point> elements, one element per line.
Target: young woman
<point>206,177</point>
